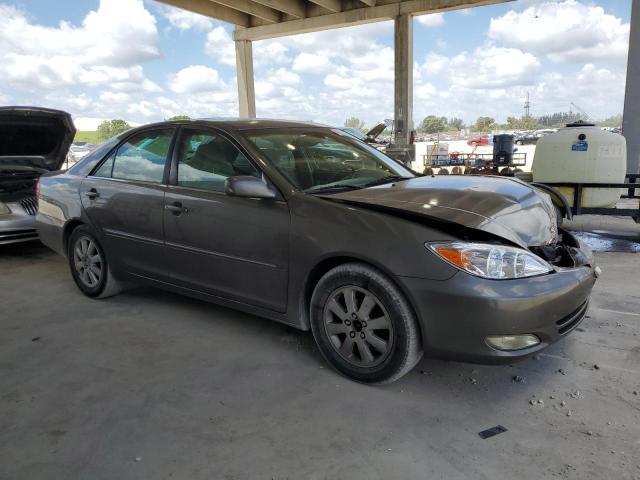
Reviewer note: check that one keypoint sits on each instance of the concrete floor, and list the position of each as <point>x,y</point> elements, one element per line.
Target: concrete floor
<point>150,385</point>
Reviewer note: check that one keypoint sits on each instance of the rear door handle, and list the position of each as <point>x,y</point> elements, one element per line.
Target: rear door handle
<point>93,193</point>
<point>176,208</point>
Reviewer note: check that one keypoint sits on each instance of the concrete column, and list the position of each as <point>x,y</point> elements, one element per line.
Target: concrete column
<point>631,119</point>
<point>244,68</point>
<point>403,84</point>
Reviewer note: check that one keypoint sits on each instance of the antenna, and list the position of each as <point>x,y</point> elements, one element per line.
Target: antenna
<point>527,106</point>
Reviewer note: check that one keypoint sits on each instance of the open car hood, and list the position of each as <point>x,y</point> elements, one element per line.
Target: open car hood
<point>34,138</point>
<point>508,208</point>
<point>376,131</point>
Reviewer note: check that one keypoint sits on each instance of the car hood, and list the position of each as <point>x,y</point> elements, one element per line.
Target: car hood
<point>506,207</point>
<point>33,138</point>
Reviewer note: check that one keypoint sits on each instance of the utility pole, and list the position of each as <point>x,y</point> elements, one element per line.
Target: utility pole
<point>527,106</point>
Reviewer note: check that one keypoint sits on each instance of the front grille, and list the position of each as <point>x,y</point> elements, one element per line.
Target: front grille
<point>565,324</point>
<point>30,205</point>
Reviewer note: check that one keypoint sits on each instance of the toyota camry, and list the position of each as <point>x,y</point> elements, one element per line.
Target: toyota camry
<point>309,226</point>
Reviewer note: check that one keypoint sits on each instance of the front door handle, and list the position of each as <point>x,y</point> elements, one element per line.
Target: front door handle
<point>176,208</point>
<point>93,193</point>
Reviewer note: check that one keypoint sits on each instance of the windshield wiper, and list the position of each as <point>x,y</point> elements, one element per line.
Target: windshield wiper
<point>389,179</point>
<point>333,188</point>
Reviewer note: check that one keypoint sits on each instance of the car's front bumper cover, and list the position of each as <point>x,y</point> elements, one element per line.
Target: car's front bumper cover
<point>457,315</point>
<point>20,224</point>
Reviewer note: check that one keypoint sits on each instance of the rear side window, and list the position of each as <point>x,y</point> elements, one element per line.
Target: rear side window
<point>142,157</point>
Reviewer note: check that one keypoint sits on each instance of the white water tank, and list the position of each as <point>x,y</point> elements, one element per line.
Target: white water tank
<point>582,153</point>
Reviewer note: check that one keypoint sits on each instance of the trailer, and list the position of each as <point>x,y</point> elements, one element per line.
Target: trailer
<point>631,185</point>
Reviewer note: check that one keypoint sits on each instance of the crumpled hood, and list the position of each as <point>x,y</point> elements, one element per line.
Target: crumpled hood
<point>34,138</point>
<point>506,207</point>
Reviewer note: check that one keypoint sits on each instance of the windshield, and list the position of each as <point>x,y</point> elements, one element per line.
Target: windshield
<point>321,160</point>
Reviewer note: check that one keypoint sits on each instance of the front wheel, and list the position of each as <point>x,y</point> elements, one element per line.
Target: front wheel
<point>363,324</point>
<point>89,266</point>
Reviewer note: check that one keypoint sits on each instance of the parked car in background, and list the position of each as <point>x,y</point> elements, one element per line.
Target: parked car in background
<point>33,141</point>
<point>525,138</point>
<point>478,140</point>
<point>372,136</point>
<point>76,152</point>
<point>311,227</point>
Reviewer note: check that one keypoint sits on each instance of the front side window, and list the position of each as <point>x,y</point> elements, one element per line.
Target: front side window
<point>322,160</point>
<point>207,159</point>
<point>142,157</point>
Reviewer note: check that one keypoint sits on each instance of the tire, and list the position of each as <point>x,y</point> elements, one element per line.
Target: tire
<point>340,327</point>
<point>92,275</point>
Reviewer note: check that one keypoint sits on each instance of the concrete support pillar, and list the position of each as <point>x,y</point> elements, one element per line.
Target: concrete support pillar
<point>631,120</point>
<point>244,67</point>
<point>403,86</point>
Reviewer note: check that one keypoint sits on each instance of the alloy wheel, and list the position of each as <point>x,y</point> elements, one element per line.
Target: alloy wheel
<point>358,326</point>
<point>88,262</point>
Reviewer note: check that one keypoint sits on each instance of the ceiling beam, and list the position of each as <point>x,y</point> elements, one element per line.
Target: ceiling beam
<point>295,8</point>
<point>369,3</point>
<point>252,8</point>
<point>357,16</point>
<point>212,10</point>
<point>332,5</point>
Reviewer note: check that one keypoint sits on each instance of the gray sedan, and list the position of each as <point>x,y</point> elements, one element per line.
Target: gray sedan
<point>308,226</point>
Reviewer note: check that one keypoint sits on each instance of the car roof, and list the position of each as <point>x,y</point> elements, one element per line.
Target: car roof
<point>234,124</point>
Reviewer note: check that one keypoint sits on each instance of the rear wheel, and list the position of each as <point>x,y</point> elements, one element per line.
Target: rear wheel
<point>89,266</point>
<point>363,325</point>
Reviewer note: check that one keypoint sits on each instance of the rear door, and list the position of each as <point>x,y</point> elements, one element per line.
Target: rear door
<point>124,199</point>
<point>232,247</point>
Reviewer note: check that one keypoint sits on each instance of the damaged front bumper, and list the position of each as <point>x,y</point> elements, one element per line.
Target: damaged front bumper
<point>463,318</point>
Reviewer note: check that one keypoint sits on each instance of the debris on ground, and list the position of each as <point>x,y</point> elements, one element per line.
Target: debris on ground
<point>561,371</point>
<point>473,380</point>
<point>569,413</point>
<point>590,433</point>
<point>35,339</point>
<point>575,394</point>
<point>518,379</point>
<point>490,432</point>
<point>563,403</point>
<point>596,367</point>
<point>138,459</point>
<point>533,401</point>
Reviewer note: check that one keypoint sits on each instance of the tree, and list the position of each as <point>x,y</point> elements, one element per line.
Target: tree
<point>179,117</point>
<point>522,123</point>
<point>614,121</point>
<point>484,124</point>
<point>111,128</point>
<point>433,124</point>
<point>456,123</point>
<point>354,122</point>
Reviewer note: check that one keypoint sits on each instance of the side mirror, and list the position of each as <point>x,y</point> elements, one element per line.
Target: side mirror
<point>247,186</point>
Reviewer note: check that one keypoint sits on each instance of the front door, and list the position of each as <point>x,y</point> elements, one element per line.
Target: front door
<point>124,199</point>
<point>232,247</point>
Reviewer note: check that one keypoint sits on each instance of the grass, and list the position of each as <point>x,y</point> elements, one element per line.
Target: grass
<point>91,137</point>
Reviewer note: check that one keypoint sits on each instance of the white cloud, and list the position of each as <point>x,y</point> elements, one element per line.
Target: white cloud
<point>114,97</point>
<point>312,63</point>
<point>107,47</point>
<point>270,52</point>
<point>569,31</point>
<point>485,67</point>
<point>186,20</point>
<point>283,76</point>
<point>220,46</point>
<point>431,20</point>
<point>196,79</point>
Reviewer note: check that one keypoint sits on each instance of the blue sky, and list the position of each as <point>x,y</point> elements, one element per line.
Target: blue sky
<point>144,61</point>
